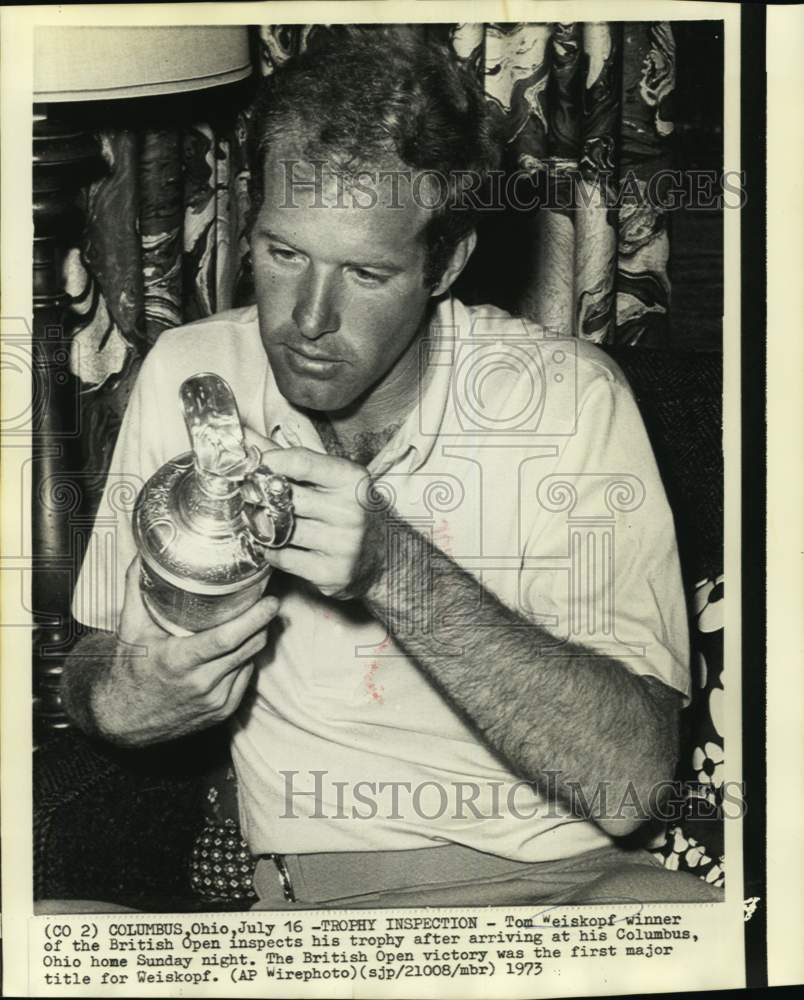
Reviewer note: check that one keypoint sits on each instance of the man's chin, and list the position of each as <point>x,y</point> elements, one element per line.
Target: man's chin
<point>323,395</point>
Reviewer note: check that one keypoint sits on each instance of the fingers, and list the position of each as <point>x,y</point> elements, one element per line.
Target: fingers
<point>136,625</point>
<point>250,648</point>
<point>239,683</point>
<point>297,561</point>
<point>315,536</point>
<point>133,597</point>
<point>182,683</point>
<point>305,466</point>
<point>216,643</point>
<point>258,440</point>
<point>311,503</point>
<point>308,501</point>
<point>213,680</point>
<point>333,508</point>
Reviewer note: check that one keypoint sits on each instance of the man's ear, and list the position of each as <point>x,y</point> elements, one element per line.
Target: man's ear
<point>460,258</point>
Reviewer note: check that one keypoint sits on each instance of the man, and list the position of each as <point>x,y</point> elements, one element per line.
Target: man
<point>415,718</point>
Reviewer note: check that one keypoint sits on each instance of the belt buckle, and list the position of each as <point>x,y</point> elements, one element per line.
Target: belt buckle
<point>284,877</point>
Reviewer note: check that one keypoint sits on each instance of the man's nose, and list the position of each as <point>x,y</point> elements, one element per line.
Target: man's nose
<point>316,311</point>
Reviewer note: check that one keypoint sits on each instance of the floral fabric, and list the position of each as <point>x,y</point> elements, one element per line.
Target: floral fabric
<point>696,844</point>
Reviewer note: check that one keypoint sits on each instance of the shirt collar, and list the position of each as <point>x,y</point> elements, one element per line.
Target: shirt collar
<point>411,446</point>
<point>286,426</point>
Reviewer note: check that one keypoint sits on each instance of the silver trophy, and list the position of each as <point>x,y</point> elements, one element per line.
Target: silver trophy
<point>205,522</point>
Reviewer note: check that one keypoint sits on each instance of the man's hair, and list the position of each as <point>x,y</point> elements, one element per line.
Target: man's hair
<point>361,97</point>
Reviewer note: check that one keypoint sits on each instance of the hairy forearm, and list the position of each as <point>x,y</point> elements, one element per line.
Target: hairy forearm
<point>560,716</point>
<point>98,695</point>
<point>88,664</point>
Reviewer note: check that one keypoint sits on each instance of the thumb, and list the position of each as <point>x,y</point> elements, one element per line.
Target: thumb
<point>136,623</point>
<point>253,437</point>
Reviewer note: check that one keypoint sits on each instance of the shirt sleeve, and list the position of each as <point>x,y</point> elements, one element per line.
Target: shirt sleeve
<point>600,562</point>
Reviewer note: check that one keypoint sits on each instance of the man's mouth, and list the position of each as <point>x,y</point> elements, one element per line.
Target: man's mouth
<point>308,363</point>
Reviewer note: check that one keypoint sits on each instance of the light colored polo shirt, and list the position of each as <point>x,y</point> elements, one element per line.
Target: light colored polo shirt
<point>526,461</point>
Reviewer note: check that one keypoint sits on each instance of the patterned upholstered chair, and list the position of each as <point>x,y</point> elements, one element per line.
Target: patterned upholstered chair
<point>157,829</point>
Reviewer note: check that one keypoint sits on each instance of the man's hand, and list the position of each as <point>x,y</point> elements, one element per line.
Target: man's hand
<point>161,686</point>
<point>338,543</point>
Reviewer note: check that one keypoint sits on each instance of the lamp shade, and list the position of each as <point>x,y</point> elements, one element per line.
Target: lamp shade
<point>105,63</point>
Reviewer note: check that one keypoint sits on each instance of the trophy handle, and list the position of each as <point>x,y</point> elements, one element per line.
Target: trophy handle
<point>271,516</point>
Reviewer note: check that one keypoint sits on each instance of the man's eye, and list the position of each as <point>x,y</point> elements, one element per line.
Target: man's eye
<point>278,253</point>
<point>368,277</point>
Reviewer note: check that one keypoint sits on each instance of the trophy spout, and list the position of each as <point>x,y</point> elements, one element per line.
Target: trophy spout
<point>213,423</point>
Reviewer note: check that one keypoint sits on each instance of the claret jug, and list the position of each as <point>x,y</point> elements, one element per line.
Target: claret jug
<point>205,522</point>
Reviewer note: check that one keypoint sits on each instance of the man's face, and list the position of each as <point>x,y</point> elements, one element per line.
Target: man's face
<point>339,282</point>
